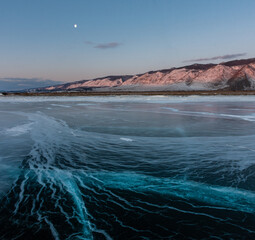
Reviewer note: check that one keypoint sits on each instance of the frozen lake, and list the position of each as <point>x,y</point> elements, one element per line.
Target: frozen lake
<point>133,167</point>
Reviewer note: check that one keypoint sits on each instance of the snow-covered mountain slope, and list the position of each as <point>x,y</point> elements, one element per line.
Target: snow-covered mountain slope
<point>233,75</point>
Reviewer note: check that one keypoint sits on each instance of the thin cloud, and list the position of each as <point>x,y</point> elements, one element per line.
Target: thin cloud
<point>103,45</point>
<point>224,57</point>
<point>89,43</point>
<point>107,45</point>
<point>17,84</point>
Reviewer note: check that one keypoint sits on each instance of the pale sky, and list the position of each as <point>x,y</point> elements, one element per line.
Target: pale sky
<point>39,43</point>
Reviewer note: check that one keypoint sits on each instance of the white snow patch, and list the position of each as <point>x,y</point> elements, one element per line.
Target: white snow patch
<point>18,130</point>
<point>126,139</point>
<point>59,105</point>
<point>85,104</point>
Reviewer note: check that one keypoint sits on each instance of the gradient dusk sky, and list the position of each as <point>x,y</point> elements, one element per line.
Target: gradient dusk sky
<point>39,43</point>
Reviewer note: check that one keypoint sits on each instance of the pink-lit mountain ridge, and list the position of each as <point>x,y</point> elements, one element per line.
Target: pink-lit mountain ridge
<point>232,75</point>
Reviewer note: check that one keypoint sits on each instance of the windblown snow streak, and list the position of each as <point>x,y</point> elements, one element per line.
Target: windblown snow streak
<point>134,170</point>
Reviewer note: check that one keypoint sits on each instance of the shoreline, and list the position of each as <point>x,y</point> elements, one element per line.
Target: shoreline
<point>145,93</point>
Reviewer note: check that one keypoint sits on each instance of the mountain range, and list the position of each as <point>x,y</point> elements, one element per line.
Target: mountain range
<point>234,75</point>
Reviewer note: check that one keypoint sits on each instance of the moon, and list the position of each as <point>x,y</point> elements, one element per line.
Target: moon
<point>75,26</point>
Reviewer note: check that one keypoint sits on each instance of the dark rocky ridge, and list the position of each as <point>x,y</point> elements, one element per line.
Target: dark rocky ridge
<point>238,62</point>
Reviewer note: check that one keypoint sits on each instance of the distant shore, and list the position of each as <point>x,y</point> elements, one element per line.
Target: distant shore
<point>127,93</point>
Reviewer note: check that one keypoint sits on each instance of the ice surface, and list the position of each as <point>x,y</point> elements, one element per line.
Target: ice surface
<point>120,167</point>
<point>135,98</point>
